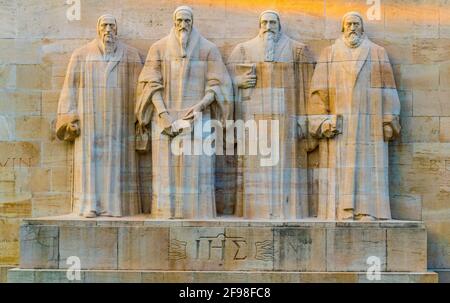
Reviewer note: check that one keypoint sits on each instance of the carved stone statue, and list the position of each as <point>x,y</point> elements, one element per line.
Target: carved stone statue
<point>183,76</point>
<point>96,111</point>
<point>354,83</point>
<point>271,74</point>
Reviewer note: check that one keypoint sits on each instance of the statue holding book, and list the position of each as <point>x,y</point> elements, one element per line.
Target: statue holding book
<point>271,74</point>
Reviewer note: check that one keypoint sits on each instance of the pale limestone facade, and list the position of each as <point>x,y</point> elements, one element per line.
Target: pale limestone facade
<point>35,167</point>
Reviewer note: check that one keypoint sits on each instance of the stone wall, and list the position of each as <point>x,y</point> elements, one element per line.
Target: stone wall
<point>36,40</point>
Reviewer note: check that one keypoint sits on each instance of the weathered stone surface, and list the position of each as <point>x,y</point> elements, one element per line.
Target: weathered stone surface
<point>4,273</point>
<point>57,276</point>
<point>300,249</point>
<point>39,246</point>
<point>349,249</point>
<point>143,248</point>
<point>438,244</point>
<point>95,246</point>
<point>405,250</point>
<point>315,246</point>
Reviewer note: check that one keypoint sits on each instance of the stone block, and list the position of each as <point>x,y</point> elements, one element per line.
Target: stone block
<point>39,246</point>
<point>197,248</point>
<point>60,180</point>
<point>349,249</point>
<point>19,154</point>
<point>438,244</point>
<point>8,12</point>
<point>419,76</point>
<point>300,249</point>
<point>436,206</point>
<point>431,50</point>
<point>95,246</point>
<point>29,276</point>
<point>143,248</point>
<point>29,76</point>
<point>17,275</point>
<point>7,76</point>
<point>51,204</point>
<point>4,273</point>
<point>406,207</point>
<point>56,154</point>
<point>406,101</point>
<point>9,241</point>
<point>406,20</point>
<point>107,277</point>
<point>420,129</point>
<point>406,250</point>
<point>444,276</point>
<point>16,207</point>
<point>40,179</point>
<point>249,248</point>
<point>32,128</point>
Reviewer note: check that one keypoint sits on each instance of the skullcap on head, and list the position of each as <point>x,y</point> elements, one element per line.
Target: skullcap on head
<point>356,14</point>
<point>183,8</point>
<point>269,12</point>
<point>106,16</point>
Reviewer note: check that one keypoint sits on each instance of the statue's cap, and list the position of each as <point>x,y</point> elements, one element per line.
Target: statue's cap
<point>269,12</point>
<point>106,16</point>
<point>183,8</point>
<point>355,14</point>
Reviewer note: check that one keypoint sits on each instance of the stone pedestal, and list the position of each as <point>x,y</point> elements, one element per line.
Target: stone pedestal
<point>138,249</point>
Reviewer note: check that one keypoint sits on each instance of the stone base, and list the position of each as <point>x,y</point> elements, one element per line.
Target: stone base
<point>139,243</point>
<point>4,272</point>
<point>105,276</point>
<point>142,249</point>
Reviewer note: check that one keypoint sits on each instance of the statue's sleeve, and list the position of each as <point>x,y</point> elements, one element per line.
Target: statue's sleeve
<point>318,102</point>
<point>391,102</point>
<point>68,100</point>
<point>306,64</point>
<point>237,56</point>
<point>219,82</point>
<point>150,82</point>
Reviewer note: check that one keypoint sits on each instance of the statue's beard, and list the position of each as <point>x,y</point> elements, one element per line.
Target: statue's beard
<point>353,39</point>
<point>183,39</point>
<point>269,38</point>
<point>109,44</point>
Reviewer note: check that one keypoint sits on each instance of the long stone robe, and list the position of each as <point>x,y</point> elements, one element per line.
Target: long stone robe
<point>101,94</point>
<point>359,85</point>
<point>183,185</point>
<point>279,191</point>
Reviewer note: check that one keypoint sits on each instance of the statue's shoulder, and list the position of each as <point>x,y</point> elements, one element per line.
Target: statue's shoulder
<point>207,44</point>
<point>297,44</point>
<point>248,44</point>
<point>376,47</point>
<point>161,44</point>
<point>83,50</point>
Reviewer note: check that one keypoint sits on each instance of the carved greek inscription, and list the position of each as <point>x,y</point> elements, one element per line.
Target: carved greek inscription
<point>214,248</point>
<point>264,250</point>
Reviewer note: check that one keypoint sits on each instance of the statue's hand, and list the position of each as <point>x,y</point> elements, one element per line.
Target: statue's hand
<point>246,81</point>
<point>388,132</point>
<point>166,121</point>
<point>329,130</point>
<point>72,131</point>
<point>198,108</point>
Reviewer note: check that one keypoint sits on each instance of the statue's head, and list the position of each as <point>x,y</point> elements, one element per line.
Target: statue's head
<point>183,18</point>
<point>353,28</point>
<point>107,29</point>
<point>269,23</point>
